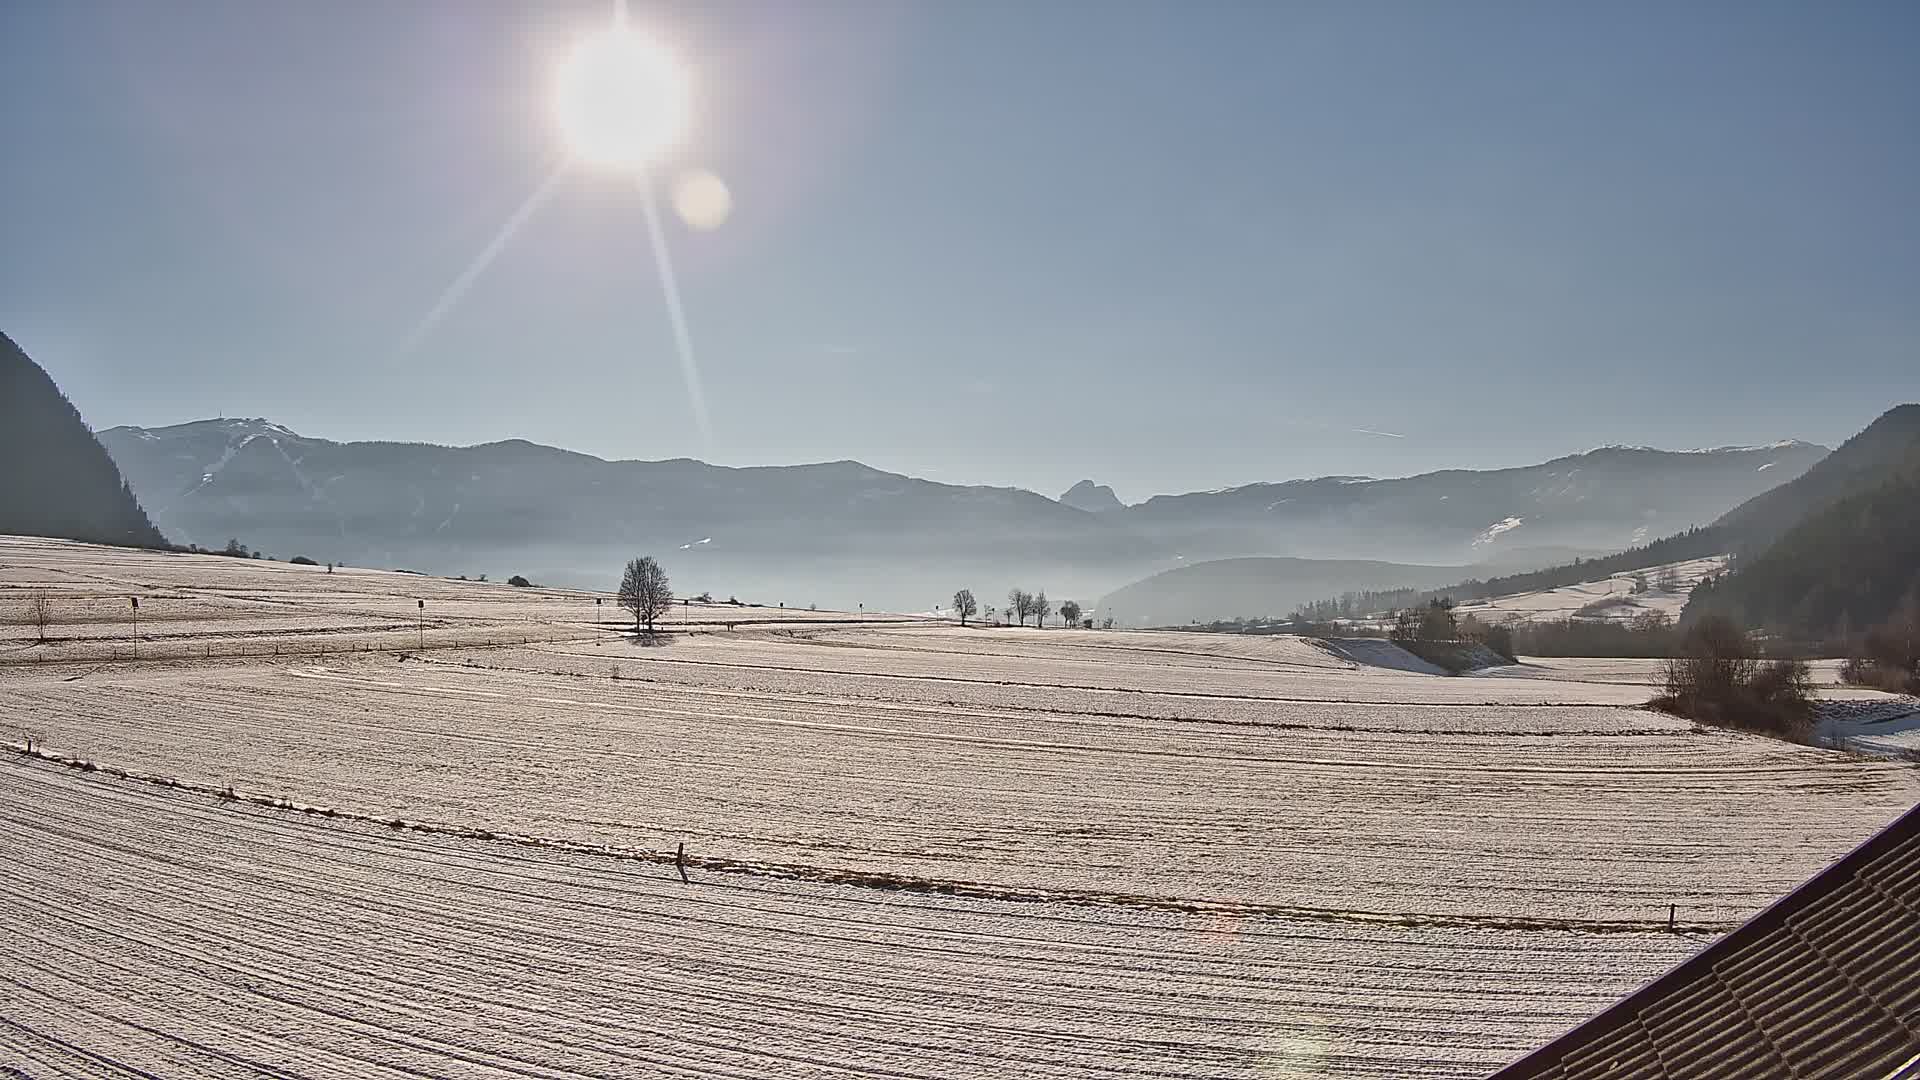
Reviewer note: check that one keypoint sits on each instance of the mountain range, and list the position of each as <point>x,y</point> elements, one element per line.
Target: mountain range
<point>1816,560</point>
<point>1824,542</point>
<point>843,533</point>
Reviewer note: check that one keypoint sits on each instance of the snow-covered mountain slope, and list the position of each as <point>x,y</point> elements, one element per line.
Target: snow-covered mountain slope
<point>1618,597</point>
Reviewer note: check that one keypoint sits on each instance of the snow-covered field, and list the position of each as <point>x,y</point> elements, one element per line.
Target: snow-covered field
<point>211,607</point>
<point>916,850</point>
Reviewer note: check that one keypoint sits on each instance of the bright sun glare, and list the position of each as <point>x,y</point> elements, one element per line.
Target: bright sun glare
<point>621,100</point>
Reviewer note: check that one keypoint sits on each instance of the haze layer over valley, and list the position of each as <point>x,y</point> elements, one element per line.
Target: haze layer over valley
<point>843,534</point>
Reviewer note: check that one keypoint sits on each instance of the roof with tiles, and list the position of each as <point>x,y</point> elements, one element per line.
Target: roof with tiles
<point>1823,984</point>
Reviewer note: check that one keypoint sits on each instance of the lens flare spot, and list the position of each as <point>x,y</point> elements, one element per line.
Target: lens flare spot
<point>702,200</point>
<point>1305,1053</point>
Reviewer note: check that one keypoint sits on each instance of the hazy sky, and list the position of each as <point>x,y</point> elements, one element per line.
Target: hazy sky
<point>1166,246</point>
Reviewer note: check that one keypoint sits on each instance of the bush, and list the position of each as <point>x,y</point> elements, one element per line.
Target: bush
<point>519,582</point>
<point>1500,640</point>
<point>1495,636</point>
<point>1784,682</point>
<point>1860,671</point>
<point>1434,622</point>
<point>1888,657</point>
<point>1716,678</point>
<point>302,560</point>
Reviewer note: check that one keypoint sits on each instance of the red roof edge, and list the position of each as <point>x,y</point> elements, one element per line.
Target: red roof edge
<point>1771,918</point>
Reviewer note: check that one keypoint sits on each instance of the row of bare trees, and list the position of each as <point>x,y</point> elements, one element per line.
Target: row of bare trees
<point>1020,605</point>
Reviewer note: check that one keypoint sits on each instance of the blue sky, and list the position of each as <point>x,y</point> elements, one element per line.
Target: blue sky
<point>1166,246</point>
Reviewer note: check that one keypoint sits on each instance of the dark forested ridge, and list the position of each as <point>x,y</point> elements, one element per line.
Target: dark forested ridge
<point>1849,558</point>
<point>1860,465</point>
<point>55,477</point>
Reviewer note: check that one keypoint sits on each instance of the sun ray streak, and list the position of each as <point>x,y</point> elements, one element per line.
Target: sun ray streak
<point>683,342</point>
<point>461,284</point>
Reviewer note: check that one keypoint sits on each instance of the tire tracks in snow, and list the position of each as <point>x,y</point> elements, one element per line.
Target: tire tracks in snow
<point>895,881</point>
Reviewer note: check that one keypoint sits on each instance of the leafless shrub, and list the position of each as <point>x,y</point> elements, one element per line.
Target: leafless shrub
<point>1717,678</point>
<point>40,613</point>
<point>1888,656</point>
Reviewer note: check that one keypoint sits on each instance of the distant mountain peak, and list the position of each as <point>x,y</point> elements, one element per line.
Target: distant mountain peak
<point>1091,497</point>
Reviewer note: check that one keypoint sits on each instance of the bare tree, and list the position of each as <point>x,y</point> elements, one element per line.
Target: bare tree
<point>1070,612</point>
<point>40,613</point>
<point>645,592</point>
<point>964,605</point>
<point>1041,609</point>
<point>1715,660</point>
<point>1019,604</point>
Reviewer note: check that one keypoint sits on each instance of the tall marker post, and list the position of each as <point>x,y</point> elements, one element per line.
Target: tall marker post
<point>136,626</point>
<point>423,624</point>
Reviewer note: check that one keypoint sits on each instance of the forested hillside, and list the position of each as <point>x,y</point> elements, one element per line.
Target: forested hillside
<point>55,477</point>
<point>1860,466</point>
<point>1841,569</point>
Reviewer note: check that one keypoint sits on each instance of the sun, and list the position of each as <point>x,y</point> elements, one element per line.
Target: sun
<point>621,99</point>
